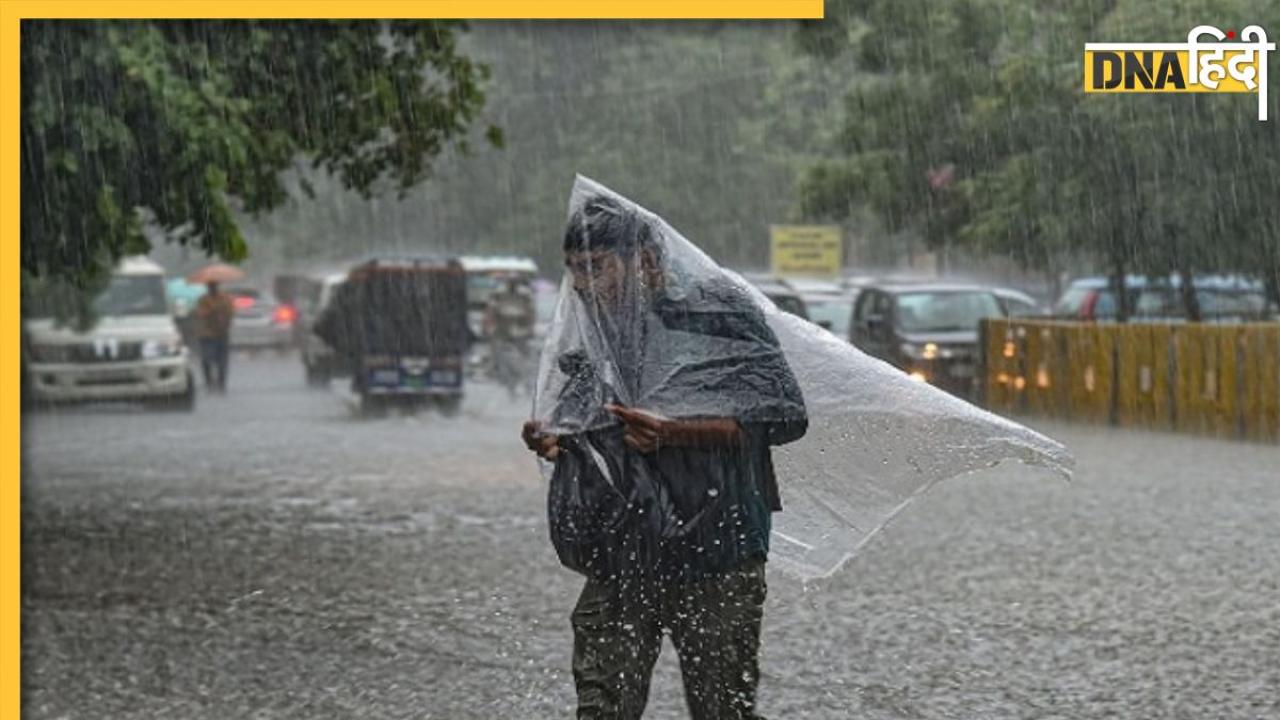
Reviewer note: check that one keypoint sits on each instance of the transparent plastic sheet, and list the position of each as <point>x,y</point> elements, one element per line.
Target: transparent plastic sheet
<point>677,335</point>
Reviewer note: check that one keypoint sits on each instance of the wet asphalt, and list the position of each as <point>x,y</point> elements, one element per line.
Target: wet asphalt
<point>274,555</point>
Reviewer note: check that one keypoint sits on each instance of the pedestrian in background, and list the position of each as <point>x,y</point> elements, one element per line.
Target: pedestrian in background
<point>215,312</point>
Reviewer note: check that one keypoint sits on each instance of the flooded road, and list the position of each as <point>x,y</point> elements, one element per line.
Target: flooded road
<point>275,556</point>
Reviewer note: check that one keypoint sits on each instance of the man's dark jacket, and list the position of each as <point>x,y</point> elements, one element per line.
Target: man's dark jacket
<point>679,513</point>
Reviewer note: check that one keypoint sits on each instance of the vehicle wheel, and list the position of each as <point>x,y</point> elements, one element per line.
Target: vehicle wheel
<point>450,406</point>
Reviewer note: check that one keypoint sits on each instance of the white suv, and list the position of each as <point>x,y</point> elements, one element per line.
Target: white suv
<point>134,352</point>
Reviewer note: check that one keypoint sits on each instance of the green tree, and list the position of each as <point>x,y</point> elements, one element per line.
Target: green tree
<point>1040,171</point>
<point>709,124</point>
<point>193,122</point>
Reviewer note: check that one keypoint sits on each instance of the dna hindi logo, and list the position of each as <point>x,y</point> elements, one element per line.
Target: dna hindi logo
<point>1224,64</point>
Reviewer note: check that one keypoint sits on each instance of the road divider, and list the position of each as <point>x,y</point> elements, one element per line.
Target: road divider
<point>1221,380</point>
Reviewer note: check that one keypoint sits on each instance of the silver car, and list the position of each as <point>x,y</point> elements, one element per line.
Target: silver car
<point>260,323</point>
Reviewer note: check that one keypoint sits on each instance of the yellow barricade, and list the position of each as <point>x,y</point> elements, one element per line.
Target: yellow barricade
<point>997,353</point>
<point>1143,392</point>
<point>1090,363</point>
<point>1205,391</point>
<point>1259,378</point>
<point>1221,380</point>
<point>1037,349</point>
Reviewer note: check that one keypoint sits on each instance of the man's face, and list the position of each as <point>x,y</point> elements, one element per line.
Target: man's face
<point>598,275</point>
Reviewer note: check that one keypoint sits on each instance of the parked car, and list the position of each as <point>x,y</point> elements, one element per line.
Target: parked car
<point>133,352</point>
<point>832,311</point>
<point>827,303</point>
<point>779,292</point>
<point>1222,298</point>
<point>855,282</point>
<point>929,330</point>
<point>1019,304</point>
<point>319,362</point>
<point>813,286</point>
<point>261,323</point>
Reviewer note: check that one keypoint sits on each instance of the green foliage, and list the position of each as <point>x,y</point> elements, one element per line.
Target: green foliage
<point>1044,171</point>
<point>709,124</point>
<point>194,122</point>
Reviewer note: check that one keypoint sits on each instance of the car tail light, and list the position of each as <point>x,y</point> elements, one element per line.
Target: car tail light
<point>243,302</point>
<point>284,315</point>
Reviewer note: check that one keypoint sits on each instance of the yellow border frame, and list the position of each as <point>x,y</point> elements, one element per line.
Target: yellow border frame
<point>10,413</point>
<point>465,9</point>
<point>12,12</point>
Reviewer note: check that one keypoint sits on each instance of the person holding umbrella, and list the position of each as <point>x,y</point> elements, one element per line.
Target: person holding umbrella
<point>214,313</point>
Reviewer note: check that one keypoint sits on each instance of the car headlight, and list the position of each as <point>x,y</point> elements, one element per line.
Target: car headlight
<point>152,349</point>
<point>924,351</point>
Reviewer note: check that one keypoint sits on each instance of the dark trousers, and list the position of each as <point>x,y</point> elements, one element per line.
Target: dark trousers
<point>213,361</point>
<point>714,625</point>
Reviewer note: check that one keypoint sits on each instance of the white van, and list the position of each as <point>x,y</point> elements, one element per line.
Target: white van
<point>134,352</point>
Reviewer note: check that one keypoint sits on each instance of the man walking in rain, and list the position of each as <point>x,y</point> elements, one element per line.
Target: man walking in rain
<point>661,393</point>
<point>214,312</point>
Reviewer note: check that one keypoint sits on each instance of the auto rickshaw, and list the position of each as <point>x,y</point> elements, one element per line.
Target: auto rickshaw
<point>400,325</point>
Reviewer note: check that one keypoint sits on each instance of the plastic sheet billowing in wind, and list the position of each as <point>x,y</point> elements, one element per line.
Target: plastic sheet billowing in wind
<point>653,323</point>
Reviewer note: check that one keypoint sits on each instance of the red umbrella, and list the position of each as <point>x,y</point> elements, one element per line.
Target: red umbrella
<point>216,272</point>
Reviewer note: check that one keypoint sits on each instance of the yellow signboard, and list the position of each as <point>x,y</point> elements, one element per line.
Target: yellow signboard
<point>808,250</point>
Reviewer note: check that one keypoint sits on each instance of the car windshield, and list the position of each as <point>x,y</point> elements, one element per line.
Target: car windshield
<point>944,311</point>
<point>833,314</point>
<point>132,295</point>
